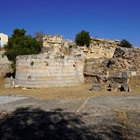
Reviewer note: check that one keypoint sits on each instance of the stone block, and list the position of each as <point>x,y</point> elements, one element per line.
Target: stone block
<point>125,87</point>
<point>97,87</point>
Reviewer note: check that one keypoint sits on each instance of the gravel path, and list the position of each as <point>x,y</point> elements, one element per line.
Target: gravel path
<point>127,102</point>
<point>124,102</point>
<point>8,99</point>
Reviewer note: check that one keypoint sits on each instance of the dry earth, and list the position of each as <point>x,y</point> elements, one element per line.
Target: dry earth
<point>92,120</point>
<point>80,92</point>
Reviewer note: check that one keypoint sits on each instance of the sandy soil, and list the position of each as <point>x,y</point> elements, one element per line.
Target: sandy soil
<point>81,92</point>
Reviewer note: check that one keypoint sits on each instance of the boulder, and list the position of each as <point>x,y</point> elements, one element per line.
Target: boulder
<point>125,87</point>
<point>97,87</point>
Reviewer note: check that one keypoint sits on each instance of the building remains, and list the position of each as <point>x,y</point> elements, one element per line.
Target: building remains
<point>3,39</point>
<point>43,70</point>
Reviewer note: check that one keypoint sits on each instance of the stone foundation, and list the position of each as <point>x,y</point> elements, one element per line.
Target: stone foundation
<point>39,71</point>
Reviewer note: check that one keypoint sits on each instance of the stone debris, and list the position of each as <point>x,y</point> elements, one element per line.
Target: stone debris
<point>97,87</point>
<point>125,87</point>
<point>124,64</point>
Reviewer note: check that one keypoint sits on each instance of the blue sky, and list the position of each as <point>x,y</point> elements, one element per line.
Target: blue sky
<point>111,19</point>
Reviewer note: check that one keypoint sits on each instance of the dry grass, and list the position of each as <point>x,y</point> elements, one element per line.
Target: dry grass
<point>68,93</point>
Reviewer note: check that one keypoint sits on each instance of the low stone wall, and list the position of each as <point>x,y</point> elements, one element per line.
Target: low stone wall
<point>38,71</point>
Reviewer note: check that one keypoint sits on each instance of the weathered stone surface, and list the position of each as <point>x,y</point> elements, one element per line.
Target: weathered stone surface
<point>125,87</point>
<point>97,87</point>
<point>119,87</point>
<point>124,64</point>
<point>46,71</point>
<point>4,64</point>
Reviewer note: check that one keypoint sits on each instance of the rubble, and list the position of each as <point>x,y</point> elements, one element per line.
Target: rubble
<point>124,64</point>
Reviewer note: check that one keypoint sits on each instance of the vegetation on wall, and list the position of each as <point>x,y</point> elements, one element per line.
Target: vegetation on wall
<point>82,38</point>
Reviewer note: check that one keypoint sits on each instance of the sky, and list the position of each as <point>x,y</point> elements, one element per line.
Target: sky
<point>110,19</point>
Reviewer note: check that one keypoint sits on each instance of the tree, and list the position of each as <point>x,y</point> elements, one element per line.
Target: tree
<point>125,43</point>
<point>39,37</point>
<point>20,44</point>
<point>83,38</point>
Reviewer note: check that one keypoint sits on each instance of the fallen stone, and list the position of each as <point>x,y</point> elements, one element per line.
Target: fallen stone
<point>125,87</point>
<point>114,87</point>
<point>97,87</point>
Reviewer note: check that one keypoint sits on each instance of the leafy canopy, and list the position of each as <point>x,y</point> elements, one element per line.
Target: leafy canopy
<point>125,43</point>
<point>20,44</point>
<point>83,38</point>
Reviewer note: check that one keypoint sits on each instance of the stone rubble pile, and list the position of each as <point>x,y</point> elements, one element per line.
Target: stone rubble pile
<point>124,64</point>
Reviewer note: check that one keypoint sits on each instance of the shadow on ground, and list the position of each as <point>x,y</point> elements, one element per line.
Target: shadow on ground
<point>36,124</point>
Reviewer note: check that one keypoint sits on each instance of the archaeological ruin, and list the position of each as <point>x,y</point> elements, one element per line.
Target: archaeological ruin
<point>62,63</point>
<point>4,64</point>
<point>43,70</point>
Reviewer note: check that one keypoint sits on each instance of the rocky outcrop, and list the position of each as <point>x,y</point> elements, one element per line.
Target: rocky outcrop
<point>124,64</point>
<point>99,48</point>
<point>124,59</point>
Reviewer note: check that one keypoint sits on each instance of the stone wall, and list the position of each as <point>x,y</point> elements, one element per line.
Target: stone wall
<point>4,64</point>
<point>43,70</point>
<point>99,48</point>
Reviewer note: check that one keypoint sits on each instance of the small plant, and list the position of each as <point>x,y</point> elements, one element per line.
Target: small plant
<point>32,63</point>
<point>29,77</point>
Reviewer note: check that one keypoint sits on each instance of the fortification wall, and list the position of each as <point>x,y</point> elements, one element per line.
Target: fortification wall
<point>45,70</point>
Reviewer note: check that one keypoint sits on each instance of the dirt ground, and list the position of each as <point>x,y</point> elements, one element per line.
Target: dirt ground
<point>80,92</point>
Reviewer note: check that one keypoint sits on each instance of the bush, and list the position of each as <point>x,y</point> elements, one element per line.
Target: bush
<point>125,43</point>
<point>83,38</point>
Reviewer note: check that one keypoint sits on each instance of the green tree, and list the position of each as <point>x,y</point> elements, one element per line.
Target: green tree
<point>125,43</point>
<point>20,44</point>
<point>82,38</point>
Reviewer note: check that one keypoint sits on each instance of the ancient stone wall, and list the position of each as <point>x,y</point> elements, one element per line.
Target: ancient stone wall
<point>4,64</point>
<point>43,70</point>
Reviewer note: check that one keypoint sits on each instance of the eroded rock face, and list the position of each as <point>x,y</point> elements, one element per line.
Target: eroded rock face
<point>124,64</point>
<point>124,59</point>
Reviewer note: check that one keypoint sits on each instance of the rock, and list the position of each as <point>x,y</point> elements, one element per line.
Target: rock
<point>125,87</point>
<point>125,74</point>
<point>117,80</point>
<point>114,87</point>
<point>97,87</point>
<point>119,87</point>
<point>16,86</point>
